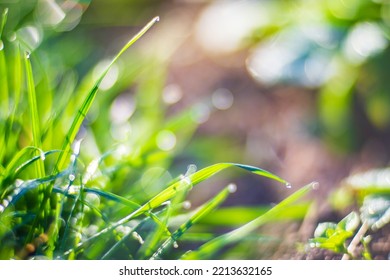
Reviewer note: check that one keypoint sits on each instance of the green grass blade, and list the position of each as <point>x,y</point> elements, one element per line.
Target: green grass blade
<point>3,81</point>
<point>154,239</point>
<point>4,16</point>
<point>199,177</point>
<point>117,245</point>
<point>35,121</point>
<point>18,162</point>
<point>113,197</point>
<point>235,216</point>
<point>31,185</point>
<point>177,185</point>
<point>3,67</point>
<point>207,250</point>
<point>200,213</point>
<point>82,112</point>
<point>17,78</point>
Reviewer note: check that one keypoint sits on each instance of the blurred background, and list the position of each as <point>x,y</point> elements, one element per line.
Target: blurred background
<point>299,88</point>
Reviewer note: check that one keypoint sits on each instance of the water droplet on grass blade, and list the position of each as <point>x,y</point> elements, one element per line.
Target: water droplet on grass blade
<point>175,245</point>
<point>72,177</point>
<point>191,169</point>
<point>232,188</point>
<point>315,185</point>
<point>288,185</point>
<point>157,19</point>
<point>12,37</point>
<point>5,203</point>
<point>138,237</point>
<point>187,204</point>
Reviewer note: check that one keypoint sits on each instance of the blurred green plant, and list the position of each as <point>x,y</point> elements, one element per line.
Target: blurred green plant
<point>369,192</point>
<point>73,174</point>
<point>339,49</point>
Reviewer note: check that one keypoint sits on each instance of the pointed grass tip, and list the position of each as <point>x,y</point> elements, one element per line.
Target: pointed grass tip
<point>156,19</point>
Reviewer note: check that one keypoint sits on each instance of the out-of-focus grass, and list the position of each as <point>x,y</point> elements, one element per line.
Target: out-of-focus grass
<point>85,154</point>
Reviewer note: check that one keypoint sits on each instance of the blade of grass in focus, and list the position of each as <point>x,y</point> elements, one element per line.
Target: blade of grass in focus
<point>35,121</point>
<point>177,185</point>
<point>83,110</point>
<point>3,88</point>
<point>210,248</point>
<point>203,211</point>
<point>77,122</point>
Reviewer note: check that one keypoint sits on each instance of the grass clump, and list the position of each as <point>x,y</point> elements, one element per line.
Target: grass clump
<point>65,185</point>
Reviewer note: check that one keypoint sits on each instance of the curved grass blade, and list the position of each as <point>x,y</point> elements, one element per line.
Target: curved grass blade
<point>237,215</point>
<point>3,68</point>
<point>210,248</point>
<point>12,165</point>
<point>117,245</point>
<point>199,177</point>
<point>15,166</point>
<point>128,203</point>
<point>33,184</point>
<point>200,213</point>
<point>32,102</point>
<point>177,185</point>
<point>83,110</point>
<point>154,239</point>
<point>113,197</point>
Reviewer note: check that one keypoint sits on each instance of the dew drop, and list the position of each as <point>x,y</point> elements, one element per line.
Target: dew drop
<point>191,169</point>
<point>288,185</point>
<point>175,245</point>
<point>315,185</point>
<point>186,204</point>
<point>72,177</point>
<point>27,55</point>
<point>42,155</point>
<point>1,208</point>
<point>138,237</point>
<point>12,37</point>
<point>232,188</point>
<point>157,19</point>
<point>5,203</point>
<point>168,202</point>
<point>16,191</point>
<point>186,180</point>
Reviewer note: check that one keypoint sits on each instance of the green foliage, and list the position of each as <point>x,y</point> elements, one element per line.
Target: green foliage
<point>339,50</point>
<point>334,236</point>
<point>370,190</point>
<point>84,154</point>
